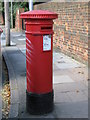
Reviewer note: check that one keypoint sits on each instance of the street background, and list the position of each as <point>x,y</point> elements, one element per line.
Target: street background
<point>69,82</point>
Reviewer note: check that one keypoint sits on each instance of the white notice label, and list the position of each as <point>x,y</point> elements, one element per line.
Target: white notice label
<point>46,42</point>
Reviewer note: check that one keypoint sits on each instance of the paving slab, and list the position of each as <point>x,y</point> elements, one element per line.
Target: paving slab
<point>67,87</point>
<point>86,92</point>
<point>64,62</point>
<point>77,96</point>
<point>61,79</point>
<point>72,110</point>
<point>61,97</point>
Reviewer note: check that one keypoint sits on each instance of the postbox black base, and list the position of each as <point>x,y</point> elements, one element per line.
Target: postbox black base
<point>37,104</point>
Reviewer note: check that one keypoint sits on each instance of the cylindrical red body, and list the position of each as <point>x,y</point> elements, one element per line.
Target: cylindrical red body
<point>39,62</point>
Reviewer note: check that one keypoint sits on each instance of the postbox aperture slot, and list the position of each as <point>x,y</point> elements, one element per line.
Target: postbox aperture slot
<point>46,28</point>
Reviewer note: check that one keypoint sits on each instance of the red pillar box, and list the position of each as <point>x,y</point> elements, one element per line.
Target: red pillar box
<point>39,48</point>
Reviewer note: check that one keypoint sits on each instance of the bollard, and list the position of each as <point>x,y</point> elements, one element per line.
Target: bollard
<point>39,56</point>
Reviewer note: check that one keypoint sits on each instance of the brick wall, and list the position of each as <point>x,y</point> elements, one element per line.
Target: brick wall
<point>18,21</point>
<point>71,28</point>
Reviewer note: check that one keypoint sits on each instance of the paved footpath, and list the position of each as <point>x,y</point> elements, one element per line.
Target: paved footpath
<point>70,83</point>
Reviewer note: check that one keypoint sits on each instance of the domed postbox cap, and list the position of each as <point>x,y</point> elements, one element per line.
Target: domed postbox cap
<point>39,14</point>
<point>1,30</point>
